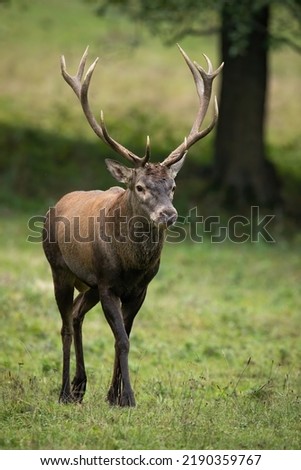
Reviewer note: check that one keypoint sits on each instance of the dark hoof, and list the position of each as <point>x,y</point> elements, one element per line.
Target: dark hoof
<point>121,399</point>
<point>112,397</point>
<point>65,398</point>
<point>78,390</point>
<point>127,399</point>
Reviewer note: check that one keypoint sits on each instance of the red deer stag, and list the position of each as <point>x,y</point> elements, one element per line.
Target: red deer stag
<point>107,244</point>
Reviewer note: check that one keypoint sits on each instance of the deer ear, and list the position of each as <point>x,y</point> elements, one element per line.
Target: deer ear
<point>120,172</point>
<point>176,167</point>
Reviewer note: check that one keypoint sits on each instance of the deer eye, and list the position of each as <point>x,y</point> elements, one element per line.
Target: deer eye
<point>139,188</point>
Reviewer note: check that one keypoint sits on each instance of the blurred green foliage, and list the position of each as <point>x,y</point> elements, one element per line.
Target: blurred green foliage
<point>46,146</point>
<point>175,19</point>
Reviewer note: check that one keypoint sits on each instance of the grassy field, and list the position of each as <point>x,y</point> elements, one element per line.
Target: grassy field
<point>215,353</point>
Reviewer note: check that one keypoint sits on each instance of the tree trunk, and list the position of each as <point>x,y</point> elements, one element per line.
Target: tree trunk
<point>241,168</point>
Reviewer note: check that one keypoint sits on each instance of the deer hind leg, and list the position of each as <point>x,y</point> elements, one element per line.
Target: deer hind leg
<point>64,290</point>
<point>81,305</point>
<point>130,308</point>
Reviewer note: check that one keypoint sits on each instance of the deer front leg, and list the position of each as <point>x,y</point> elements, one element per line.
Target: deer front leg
<point>130,308</point>
<point>114,393</point>
<point>120,393</point>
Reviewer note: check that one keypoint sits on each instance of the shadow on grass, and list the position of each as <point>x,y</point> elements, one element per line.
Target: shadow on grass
<point>37,167</point>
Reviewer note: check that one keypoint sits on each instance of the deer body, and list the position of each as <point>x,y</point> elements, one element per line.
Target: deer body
<point>107,244</point>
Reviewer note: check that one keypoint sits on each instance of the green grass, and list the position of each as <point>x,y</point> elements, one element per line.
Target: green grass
<point>215,353</point>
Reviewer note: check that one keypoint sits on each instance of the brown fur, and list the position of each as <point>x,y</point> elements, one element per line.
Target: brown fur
<point>93,246</point>
<point>108,244</point>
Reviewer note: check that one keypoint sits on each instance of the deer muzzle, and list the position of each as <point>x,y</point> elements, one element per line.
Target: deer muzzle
<point>165,217</point>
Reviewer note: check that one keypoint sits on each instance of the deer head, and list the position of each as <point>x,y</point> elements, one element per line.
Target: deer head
<point>152,185</point>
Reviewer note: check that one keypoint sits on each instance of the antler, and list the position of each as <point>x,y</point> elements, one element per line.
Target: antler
<point>81,88</point>
<point>203,81</point>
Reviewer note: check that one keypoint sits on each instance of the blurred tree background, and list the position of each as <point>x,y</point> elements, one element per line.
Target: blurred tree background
<point>247,29</point>
<point>47,149</point>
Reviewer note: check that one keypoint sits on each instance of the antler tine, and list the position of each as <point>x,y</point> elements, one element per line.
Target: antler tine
<point>209,63</point>
<point>75,81</point>
<point>203,82</point>
<point>212,73</point>
<point>147,155</point>
<point>82,64</point>
<point>81,90</point>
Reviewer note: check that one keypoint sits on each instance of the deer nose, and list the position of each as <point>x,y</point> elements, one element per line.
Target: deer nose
<point>169,217</point>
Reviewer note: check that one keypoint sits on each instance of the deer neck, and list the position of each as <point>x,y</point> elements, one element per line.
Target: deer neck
<point>139,239</point>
